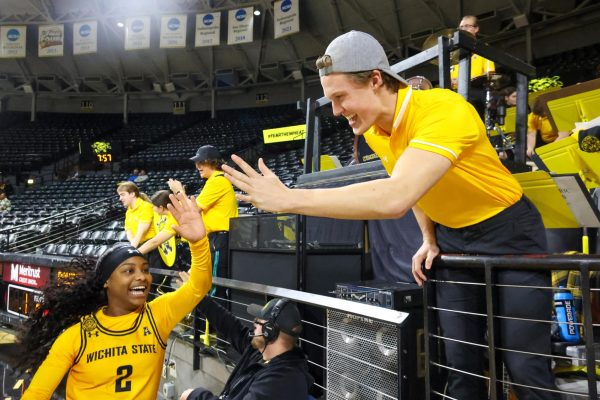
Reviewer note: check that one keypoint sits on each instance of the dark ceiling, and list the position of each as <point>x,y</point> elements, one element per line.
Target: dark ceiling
<point>528,29</point>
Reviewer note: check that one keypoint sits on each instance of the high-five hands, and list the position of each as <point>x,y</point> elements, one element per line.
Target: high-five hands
<point>264,189</point>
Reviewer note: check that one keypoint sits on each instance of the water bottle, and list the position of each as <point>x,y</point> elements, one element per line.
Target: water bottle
<point>566,316</point>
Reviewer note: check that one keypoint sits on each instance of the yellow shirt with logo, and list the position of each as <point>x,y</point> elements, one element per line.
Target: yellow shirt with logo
<point>121,358</point>
<point>477,186</point>
<point>217,202</point>
<point>543,126</point>
<point>141,212</point>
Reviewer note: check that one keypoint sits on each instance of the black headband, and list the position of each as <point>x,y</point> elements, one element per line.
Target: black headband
<point>112,258</point>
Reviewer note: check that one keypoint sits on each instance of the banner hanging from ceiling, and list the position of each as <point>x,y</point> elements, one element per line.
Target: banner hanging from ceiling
<point>51,40</point>
<point>173,30</point>
<point>137,33</point>
<point>208,29</point>
<point>287,18</point>
<point>85,37</point>
<point>240,27</point>
<point>12,41</point>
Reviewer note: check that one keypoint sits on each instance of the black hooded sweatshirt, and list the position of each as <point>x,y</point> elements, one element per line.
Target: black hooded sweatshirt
<point>284,377</point>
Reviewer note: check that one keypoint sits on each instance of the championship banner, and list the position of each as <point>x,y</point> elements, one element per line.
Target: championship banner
<point>285,134</point>
<point>51,41</point>
<point>12,41</point>
<point>173,30</point>
<point>287,17</point>
<point>208,29</point>
<point>240,28</point>
<point>85,37</point>
<point>137,33</point>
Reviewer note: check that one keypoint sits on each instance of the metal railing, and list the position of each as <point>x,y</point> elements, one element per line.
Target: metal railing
<point>490,265</point>
<point>348,328</point>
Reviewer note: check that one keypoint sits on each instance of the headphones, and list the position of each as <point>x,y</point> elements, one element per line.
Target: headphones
<point>270,329</point>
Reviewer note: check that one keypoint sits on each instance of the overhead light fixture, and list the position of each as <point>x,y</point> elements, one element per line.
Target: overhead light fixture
<point>27,88</point>
<point>120,24</point>
<point>30,181</point>
<point>156,87</point>
<point>169,87</point>
<point>257,12</point>
<point>520,21</point>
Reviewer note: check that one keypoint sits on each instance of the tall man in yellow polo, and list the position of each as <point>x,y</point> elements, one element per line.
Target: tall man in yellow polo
<point>218,204</point>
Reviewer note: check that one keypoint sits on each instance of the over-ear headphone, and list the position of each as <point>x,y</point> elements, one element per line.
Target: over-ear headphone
<point>270,329</point>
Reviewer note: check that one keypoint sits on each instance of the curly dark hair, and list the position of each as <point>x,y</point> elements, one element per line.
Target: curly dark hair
<point>80,293</point>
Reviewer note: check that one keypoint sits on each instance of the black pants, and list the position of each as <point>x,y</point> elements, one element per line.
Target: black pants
<point>219,251</point>
<point>516,230</point>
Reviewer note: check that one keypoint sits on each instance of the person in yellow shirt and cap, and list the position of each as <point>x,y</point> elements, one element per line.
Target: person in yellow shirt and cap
<point>443,167</point>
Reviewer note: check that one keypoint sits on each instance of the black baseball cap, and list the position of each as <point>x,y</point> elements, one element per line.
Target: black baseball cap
<point>288,319</point>
<point>205,153</point>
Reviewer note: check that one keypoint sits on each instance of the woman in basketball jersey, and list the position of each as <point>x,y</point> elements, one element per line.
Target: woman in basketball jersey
<point>97,326</point>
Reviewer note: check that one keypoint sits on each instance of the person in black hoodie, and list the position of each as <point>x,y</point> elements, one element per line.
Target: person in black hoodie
<point>271,366</point>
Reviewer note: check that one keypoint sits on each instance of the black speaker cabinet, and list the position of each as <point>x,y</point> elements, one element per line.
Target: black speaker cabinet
<point>370,359</point>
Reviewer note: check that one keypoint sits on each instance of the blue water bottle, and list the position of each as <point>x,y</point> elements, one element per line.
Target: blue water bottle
<point>564,305</point>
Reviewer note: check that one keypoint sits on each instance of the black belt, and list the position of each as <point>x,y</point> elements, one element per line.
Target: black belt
<point>215,233</point>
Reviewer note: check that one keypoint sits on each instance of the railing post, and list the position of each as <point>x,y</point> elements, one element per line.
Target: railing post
<point>588,330</point>
<point>493,366</point>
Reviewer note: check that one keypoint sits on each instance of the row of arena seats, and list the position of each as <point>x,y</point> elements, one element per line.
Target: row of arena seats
<point>29,145</point>
<point>102,237</point>
<point>239,129</point>
<point>61,196</point>
<point>74,250</point>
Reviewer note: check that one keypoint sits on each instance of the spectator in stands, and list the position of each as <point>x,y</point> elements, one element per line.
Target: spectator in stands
<point>75,175</point>
<point>5,204</point>
<point>271,366</point>
<point>539,128</point>
<point>99,328</point>
<point>441,164</point>
<point>218,204</point>
<point>480,66</point>
<point>142,177</point>
<point>138,218</point>
<point>163,223</point>
<point>509,94</point>
<point>133,175</point>
<point>138,222</point>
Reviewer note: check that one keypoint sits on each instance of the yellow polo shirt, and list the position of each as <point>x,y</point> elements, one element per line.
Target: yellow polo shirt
<point>217,202</point>
<point>141,211</point>
<point>477,186</point>
<point>479,66</point>
<point>541,124</point>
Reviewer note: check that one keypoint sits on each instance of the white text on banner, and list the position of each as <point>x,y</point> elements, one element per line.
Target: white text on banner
<point>287,17</point>
<point>208,29</point>
<point>240,27</point>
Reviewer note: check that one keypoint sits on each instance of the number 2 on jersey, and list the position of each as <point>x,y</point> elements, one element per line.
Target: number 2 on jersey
<point>123,372</point>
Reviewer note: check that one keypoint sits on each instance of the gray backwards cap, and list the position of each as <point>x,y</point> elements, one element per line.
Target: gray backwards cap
<point>357,51</point>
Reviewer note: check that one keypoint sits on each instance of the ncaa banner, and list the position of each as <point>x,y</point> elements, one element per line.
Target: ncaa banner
<point>287,18</point>
<point>172,31</point>
<point>51,41</point>
<point>85,37</point>
<point>208,29</point>
<point>12,41</point>
<point>241,26</point>
<point>137,33</point>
